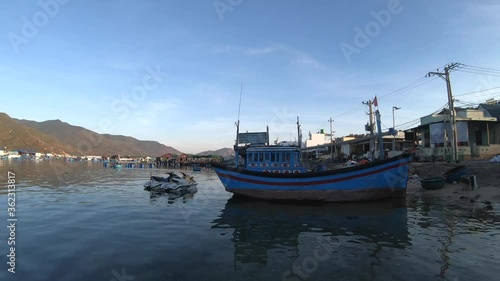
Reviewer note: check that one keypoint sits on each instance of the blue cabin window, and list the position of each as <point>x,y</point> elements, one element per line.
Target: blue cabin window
<point>266,157</point>
<point>261,157</point>
<point>250,157</point>
<point>287,157</point>
<point>273,157</point>
<point>255,157</point>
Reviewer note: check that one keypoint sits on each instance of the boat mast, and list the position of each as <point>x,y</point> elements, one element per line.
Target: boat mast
<point>299,135</point>
<point>380,140</point>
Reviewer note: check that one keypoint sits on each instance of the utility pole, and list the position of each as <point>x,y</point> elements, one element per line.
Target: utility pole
<point>395,132</point>
<point>446,77</point>
<point>372,140</point>
<point>380,140</point>
<point>331,137</point>
<point>299,134</point>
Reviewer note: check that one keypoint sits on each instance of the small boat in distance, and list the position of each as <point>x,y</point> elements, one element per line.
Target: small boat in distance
<point>273,172</point>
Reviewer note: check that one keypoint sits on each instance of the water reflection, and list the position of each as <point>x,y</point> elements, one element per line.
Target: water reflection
<point>455,224</point>
<point>156,196</point>
<point>265,233</point>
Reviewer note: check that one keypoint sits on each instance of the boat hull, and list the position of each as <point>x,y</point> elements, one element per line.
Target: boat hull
<point>375,181</point>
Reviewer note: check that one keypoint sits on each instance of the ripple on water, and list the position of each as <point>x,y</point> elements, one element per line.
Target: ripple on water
<point>89,222</point>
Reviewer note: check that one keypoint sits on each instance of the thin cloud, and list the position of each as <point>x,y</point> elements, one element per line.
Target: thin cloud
<point>295,56</point>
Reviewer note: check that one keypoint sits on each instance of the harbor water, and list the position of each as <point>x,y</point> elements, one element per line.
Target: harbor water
<point>81,221</point>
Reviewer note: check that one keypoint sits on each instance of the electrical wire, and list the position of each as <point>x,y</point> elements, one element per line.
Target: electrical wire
<point>424,80</point>
<point>470,93</point>
<point>480,68</point>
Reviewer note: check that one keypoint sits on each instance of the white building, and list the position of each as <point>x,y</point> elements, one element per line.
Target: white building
<point>316,139</point>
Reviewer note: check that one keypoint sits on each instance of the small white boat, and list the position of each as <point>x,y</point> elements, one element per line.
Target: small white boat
<point>171,184</point>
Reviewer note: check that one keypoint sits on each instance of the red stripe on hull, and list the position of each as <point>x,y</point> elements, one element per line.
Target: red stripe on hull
<point>291,183</point>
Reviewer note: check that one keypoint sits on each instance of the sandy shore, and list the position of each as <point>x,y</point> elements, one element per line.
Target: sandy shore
<point>487,176</point>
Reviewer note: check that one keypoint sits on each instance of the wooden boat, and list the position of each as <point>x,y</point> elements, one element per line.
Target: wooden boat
<point>276,173</point>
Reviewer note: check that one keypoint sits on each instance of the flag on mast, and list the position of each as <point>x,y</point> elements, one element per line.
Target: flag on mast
<point>375,102</point>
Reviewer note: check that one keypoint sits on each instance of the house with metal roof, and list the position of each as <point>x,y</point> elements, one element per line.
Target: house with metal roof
<point>478,134</point>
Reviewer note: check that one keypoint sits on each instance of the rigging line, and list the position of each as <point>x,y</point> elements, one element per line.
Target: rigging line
<point>239,106</point>
<point>479,67</point>
<point>470,93</point>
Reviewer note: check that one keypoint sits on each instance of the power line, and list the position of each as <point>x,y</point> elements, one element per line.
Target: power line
<point>349,111</point>
<point>480,68</point>
<point>470,93</point>
<point>481,73</point>
<point>417,83</point>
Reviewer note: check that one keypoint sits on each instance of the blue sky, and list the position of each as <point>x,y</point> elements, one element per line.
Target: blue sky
<point>171,71</point>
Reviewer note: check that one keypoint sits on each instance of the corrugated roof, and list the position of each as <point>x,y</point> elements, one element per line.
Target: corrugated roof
<point>493,109</point>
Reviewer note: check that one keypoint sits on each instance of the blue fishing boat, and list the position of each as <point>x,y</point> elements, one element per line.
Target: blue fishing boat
<point>276,172</point>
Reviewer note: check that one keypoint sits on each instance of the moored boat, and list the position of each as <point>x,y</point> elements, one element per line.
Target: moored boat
<point>275,172</point>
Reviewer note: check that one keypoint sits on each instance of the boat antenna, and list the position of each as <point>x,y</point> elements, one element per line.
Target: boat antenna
<point>239,106</point>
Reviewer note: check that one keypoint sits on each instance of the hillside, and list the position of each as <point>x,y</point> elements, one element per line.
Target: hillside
<point>14,135</point>
<point>224,152</point>
<point>87,142</point>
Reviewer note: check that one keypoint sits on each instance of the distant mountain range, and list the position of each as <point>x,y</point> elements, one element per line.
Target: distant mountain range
<point>59,137</point>
<point>224,152</point>
<point>14,135</point>
<point>87,142</point>
<point>56,136</point>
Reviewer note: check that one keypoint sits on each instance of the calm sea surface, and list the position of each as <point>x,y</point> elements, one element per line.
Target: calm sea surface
<point>80,221</point>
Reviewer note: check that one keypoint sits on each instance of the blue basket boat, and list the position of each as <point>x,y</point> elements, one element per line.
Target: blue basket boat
<point>455,174</point>
<point>433,183</point>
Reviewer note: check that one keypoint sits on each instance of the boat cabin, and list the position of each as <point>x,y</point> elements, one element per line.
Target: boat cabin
<point>274,159</point>
<point>259,156</point>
